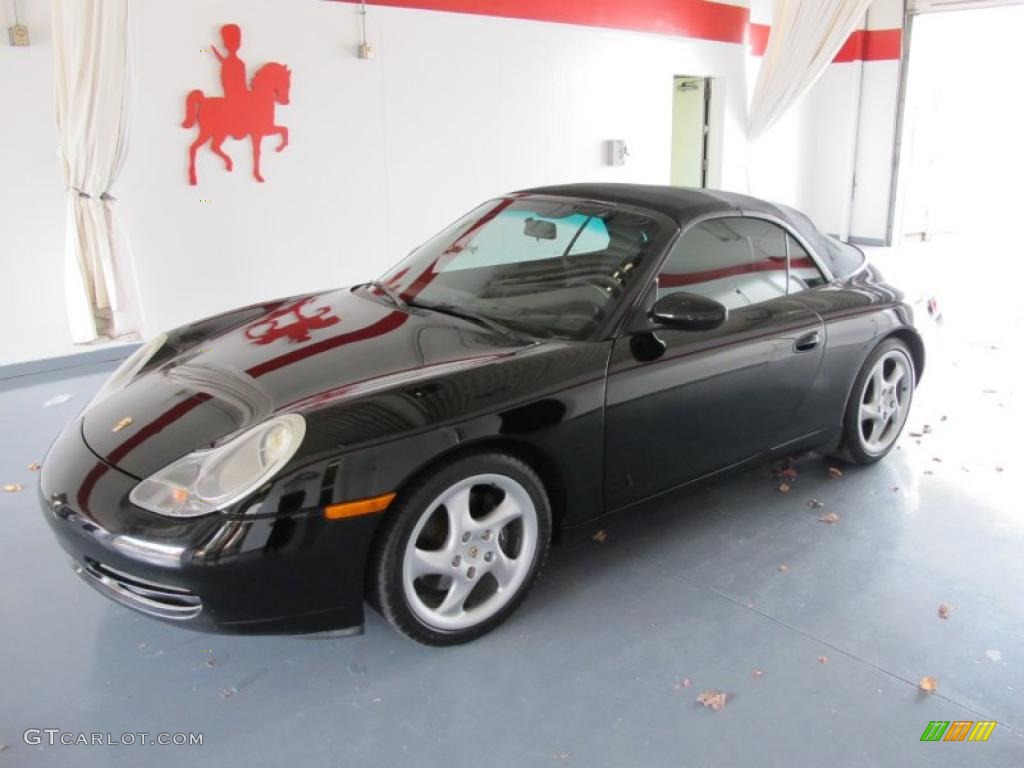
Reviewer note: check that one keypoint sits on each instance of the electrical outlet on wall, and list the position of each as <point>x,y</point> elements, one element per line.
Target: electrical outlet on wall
<point>617,152</point>
<point>18,34</point>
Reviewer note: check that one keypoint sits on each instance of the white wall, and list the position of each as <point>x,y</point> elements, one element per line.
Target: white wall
<point>876,132</point>
<point>831,155</point>
<point>455,109</point>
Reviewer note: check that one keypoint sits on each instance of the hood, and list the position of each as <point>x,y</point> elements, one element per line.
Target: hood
<point>225,374</point>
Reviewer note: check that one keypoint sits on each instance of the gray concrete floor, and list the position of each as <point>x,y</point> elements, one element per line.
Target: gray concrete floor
<point>590,671</point>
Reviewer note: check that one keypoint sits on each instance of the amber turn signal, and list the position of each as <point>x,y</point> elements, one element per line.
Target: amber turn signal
<point>357,508</point>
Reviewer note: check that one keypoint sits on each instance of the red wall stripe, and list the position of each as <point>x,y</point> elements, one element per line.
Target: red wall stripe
<point>688,18</point>
<point>883,44</point>
<point>861,45</point>
<point>759,38</point>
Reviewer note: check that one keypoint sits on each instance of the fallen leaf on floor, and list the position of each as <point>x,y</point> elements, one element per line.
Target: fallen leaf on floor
<point>915,434</point>
<point>926,429</point>
<point>928,472</point>
<point>227,693</point>
<point>815,504</point>
<point>783,487</point>
<point>823,659</point>
<point>713,700</point>
<point>928,684</point>
<point>784,568</point>
<point>684,683</point>
<point>757,673</point>
<point>999,469</point>
<point>965,469</point>
<point>57,400</point>
<point>943,418</point>
<point>33,467</point>
<point>829,517</point>
<point>936,459</point>
<point>944,609</point>
<point>13,487</point>
<point>834,472</point>
<point>211,662</point>
<point>124,423</point>
<point>3,747</point>
<point>600,537</point>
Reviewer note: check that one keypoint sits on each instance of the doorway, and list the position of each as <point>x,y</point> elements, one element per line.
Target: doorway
<point>961,158</point>
<point>691,115</point>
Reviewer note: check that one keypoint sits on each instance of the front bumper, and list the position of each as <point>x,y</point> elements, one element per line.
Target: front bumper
<point>279,573</point>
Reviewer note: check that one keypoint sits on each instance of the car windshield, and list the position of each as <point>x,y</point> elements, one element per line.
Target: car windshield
<point>547,267</point>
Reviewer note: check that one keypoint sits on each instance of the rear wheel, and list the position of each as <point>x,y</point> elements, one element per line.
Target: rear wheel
<point>460,549</point>
<point>879,403</point>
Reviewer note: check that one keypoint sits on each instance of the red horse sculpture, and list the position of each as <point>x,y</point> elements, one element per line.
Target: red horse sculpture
<point>242,111</point>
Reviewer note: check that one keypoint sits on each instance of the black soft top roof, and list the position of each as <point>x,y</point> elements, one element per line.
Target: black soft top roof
<point>683,204</point>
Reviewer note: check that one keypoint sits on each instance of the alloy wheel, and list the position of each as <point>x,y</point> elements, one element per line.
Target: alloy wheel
<point>885,402</point>
<point>470,552</point>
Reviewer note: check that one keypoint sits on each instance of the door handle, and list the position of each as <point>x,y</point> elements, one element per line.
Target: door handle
<point>807,342</point>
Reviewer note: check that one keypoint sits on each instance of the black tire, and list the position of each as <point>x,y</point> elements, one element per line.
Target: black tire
<point>385,588</point>
<point>852,447</point>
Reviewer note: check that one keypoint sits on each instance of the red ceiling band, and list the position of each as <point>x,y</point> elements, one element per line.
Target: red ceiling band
<point>861,45</point>
<point>701,19</point>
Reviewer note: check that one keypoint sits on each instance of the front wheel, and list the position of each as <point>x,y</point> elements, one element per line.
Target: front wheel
<point>459,550</point>
<point>879,403</point>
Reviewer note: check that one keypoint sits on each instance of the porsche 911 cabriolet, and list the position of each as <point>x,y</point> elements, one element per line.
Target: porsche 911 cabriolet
<point>417,441</point>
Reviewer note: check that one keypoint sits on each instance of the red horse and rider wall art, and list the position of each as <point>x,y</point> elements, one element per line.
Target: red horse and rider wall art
<point>242,110</point>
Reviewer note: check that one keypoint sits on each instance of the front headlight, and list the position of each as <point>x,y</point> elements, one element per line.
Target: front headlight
<point>129,368</point>
<point>212,479</point>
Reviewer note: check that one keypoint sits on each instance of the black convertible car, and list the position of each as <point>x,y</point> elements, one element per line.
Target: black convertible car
<point>554,355</point>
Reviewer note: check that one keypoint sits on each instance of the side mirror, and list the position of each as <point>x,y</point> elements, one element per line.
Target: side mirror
<point>688,312</point>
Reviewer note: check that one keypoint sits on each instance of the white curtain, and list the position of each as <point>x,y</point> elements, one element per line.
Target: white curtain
<point>91,73</point>
<point>805,36</point>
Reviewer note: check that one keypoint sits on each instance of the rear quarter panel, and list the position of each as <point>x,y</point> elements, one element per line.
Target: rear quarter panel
<point>858,312</point>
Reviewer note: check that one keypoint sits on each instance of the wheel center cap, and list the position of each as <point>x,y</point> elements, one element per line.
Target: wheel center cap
<point>473,552</point>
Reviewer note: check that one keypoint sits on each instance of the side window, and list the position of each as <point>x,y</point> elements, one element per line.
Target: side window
<point>803,272</point>
<point>739,262</point>
<point>735,261</point>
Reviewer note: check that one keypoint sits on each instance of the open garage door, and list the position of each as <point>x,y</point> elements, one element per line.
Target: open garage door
<point>961,158</point>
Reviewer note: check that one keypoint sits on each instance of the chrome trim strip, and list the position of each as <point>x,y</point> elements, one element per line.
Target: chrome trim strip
<point>148,551</point>
<point>162,601</point>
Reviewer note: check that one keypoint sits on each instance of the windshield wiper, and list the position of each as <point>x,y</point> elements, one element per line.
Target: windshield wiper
<point>465,314</point>
<point>391,294</point>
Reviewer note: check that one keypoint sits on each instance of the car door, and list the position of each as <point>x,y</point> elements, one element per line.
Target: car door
<point>682,404</point>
